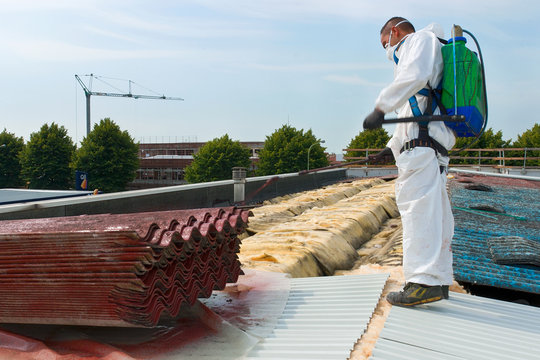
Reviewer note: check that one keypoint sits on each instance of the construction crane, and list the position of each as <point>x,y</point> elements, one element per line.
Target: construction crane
<point>88,92</point>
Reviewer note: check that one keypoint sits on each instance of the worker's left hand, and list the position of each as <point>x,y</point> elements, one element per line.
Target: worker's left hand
<point>374,120</point>
<point>384,156</point>
<point>385,152</point>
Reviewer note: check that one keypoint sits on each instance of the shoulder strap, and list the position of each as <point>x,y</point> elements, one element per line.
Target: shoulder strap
<point>414,106</point>
<point>432,105</point>
<point>396,60</point>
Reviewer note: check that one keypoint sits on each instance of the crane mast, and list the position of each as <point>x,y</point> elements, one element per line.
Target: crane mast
<point>88,93</point>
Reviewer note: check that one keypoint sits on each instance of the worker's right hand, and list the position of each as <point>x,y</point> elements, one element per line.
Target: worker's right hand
<point>374,120</point>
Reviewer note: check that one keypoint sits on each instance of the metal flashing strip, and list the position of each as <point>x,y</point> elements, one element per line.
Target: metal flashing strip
<point>323,318</point>
<point>463,327</point>
<point>17,196</point>
<point>144,194</point>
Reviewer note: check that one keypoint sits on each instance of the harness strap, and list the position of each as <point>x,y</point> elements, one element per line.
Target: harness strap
<point>424,92</point>
<point>430,94</point>
<point>435,145</point>
<point>414,106</point>
<point>396,60</point>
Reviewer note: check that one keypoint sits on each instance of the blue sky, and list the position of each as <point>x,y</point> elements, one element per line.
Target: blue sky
<point>244,67</point>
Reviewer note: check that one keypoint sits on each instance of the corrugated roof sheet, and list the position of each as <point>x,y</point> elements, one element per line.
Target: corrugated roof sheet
<point>473,261</point>
<point>323,318</point>
<point>463,327</point>
<point>115,270</point>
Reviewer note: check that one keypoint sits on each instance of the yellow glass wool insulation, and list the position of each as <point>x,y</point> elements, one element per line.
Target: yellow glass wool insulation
<point>347,189</point>
<point>292,247</point>
<point>298,262</point>
<point>289,206</point>
<point>320,240</point>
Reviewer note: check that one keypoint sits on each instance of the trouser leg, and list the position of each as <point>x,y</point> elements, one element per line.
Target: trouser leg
<point>427,218</point>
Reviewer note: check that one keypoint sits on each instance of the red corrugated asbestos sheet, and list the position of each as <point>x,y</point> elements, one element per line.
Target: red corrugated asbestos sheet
<point>115,270</point>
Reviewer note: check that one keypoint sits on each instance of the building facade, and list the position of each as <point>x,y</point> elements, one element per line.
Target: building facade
<point>163,164</point>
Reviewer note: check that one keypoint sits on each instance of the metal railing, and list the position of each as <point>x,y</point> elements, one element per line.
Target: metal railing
<point>498,157</point>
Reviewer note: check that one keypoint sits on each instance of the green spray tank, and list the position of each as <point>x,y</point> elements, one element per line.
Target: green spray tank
<point>463,85</point>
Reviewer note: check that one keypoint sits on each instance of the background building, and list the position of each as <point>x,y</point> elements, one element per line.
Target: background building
<point>163,164</point>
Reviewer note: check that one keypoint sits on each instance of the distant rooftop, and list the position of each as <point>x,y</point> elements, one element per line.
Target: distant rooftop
<point>184,157</point>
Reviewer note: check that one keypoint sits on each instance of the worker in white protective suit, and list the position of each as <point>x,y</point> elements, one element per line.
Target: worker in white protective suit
<point>421,154</point>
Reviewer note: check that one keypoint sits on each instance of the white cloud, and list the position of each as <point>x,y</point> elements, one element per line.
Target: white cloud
<point>7,6</point>
<point>354,9</point>
<point>122,18</point>
<point>131,15</point>
<point>283,9</point>
<point>183,27</point>
<point>318,67</point>
<point>353,80</point>
<point>55,51</point>
<point>111,34</point>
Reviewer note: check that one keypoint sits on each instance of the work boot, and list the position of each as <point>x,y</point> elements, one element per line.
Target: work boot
<point>445,291</point>
<point>415,294</point>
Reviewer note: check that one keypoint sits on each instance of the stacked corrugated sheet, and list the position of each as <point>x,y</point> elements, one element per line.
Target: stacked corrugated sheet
<point>115,270</point>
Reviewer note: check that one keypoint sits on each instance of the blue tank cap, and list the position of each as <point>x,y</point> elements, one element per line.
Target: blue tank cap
<point>458,38</point>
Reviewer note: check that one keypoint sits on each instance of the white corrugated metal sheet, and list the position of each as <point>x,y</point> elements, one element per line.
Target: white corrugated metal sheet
<point>463,327</point>
<point>323,318</point>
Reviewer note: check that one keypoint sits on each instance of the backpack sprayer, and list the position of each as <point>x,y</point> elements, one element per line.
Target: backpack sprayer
<point>461,96</point>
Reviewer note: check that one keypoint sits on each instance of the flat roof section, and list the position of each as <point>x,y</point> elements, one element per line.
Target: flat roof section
<point>14,196</point>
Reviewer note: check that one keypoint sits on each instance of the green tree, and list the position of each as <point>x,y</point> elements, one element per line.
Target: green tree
<point>488,140</point>
<point>109,156</point>
<point>286,151</point>
<point>215,160</point>
<point>10,167</point>
<point>529,139</point>
<point>45,160</point>
<point>367,139</point>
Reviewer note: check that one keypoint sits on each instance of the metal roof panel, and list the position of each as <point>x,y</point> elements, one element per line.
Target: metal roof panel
<point>463,327</point>
<point>323,318</point>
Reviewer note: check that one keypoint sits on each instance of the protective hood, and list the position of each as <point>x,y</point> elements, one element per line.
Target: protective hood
<point>436,29</point>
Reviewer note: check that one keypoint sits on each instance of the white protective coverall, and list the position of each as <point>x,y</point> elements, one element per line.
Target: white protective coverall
<point>421,196</point>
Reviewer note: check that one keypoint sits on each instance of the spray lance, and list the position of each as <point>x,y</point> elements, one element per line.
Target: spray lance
<point>373,158</point>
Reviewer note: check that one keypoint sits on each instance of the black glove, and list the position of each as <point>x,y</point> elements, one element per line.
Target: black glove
<point>374,120</point>
<point>385,155</point>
